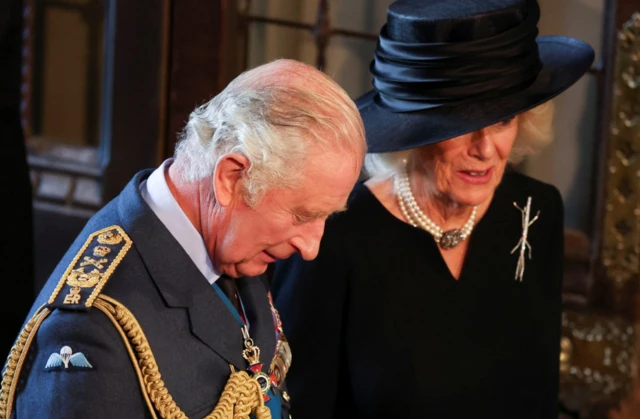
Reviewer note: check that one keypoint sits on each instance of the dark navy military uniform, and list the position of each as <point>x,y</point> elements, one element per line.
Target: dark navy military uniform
<point>77,364</point>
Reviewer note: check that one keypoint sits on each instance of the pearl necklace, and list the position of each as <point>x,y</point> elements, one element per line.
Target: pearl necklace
<point>417,218</point>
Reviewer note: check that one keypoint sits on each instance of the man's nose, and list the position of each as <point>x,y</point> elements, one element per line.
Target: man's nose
<point>308,241</point>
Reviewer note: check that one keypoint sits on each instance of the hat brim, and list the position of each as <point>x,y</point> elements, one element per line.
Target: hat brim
<point>564,61</point>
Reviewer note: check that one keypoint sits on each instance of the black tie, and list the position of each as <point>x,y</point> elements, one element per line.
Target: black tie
<point>228,286</point>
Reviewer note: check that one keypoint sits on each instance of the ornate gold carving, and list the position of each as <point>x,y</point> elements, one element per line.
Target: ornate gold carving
<point>596,362</point>
<point>599,355</point>
<point>621,238</point>
<point>596,354</point>
<point>566,354</point>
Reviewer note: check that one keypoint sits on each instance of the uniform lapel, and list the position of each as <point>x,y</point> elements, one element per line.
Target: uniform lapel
<point>177,278</point>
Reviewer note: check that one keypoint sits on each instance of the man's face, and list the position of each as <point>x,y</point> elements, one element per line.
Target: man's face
<point>285,221</point>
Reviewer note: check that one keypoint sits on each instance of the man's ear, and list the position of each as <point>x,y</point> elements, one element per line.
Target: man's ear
<point>227,179</point>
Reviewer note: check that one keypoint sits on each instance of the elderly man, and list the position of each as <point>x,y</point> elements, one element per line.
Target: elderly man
<point>159,309</point>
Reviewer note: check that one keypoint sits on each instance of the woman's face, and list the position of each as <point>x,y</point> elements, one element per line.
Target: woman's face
<point>467,169</point>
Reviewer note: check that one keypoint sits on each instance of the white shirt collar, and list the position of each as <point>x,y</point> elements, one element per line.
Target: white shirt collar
<point>157,194</point>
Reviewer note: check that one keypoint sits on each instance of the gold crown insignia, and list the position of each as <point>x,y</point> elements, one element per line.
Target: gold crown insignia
<point>109,237</point>
<point>101,251</point>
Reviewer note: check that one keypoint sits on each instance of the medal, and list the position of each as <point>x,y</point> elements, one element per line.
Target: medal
<point>282,356</point>
<point>252,354</point>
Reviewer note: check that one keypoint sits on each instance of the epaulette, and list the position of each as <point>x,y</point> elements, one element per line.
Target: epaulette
<point>90,270</point>
<point>80,289</point>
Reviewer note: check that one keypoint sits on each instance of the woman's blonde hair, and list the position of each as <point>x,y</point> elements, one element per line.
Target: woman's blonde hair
<point>535,132</point>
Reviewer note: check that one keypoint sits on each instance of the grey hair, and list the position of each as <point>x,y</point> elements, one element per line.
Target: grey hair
<point>272,122</point>
<point>535,132</point>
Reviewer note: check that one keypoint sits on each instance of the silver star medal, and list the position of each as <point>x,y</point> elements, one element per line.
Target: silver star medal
<point>523,244</point>
<point>66,357</point>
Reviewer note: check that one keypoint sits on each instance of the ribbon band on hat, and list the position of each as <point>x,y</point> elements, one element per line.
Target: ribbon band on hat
<point>415,76</point>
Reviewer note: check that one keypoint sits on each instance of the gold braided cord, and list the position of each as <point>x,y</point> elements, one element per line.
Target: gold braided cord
<point>16,359</point>
<point>107,310</point>
<point>151,383</point>
<point>241,396</point>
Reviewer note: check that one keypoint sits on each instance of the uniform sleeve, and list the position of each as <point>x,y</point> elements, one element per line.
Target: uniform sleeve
<point>553,311</point>
<point>311,299</point>
<point>98,382</point>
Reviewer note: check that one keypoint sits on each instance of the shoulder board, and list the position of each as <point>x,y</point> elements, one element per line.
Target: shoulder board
<point>89,271</point>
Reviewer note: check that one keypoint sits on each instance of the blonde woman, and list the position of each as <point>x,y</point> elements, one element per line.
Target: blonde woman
<point>437,294</point>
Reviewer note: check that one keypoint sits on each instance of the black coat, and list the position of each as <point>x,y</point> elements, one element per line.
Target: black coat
<point>379,328</point>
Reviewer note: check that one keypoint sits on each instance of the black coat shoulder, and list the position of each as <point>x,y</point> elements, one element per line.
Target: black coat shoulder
<point>520,185</point>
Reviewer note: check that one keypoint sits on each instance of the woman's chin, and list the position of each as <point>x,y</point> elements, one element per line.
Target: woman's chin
<point>473,198</point>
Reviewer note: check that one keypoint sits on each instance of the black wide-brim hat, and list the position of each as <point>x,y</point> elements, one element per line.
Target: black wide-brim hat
<point>445,68</point>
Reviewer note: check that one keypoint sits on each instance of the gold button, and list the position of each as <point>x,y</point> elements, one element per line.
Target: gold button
<point>285,396</point>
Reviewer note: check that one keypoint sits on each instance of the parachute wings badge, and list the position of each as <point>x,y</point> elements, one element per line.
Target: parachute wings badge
<point>66,357</point>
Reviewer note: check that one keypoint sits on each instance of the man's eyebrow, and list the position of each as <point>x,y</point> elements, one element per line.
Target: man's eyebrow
<point>318,214</point>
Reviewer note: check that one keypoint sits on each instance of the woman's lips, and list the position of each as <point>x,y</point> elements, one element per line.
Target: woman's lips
<point>476,177</point>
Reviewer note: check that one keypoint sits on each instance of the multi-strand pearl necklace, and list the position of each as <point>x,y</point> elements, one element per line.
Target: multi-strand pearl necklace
<point>417,218</point>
